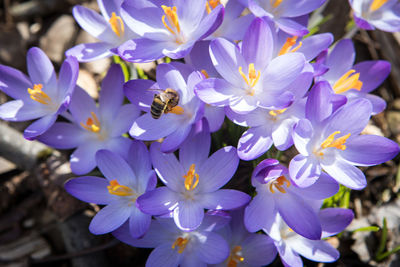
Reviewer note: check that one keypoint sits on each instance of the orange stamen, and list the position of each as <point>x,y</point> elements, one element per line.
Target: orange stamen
<point>347,82</point>
<point>211,4</point>
<point>177,110</point>
<point>338,143</point>
<point>205,73</point>
<point>38,95</point>
<point>117,24</point>
<point>191,178</point>
<point>235,257</point>
<point>119,190</point>
<point>92,123</point>
<point>376,4</point>
<point>252,78</point>
<point>278,184</point>
<point>275,113</point>
<point>275,3</point>
<point>288,46</point>
<point>181,243</point>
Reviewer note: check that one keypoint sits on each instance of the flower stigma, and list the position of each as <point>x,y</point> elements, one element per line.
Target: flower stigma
<point>177,110</point>
<point>277,112</point>
<point>278,184</point>
<point>275,3</point>
<point>38,95</point>
<point>338,143</point>
<point>173,22</point>
<point>92,123</point>
<point>191,178</point>
<point>288,46</point>
<point>235,257</point>
<point>117,25</point>
<point>181,243</point>
<point>211,4</point>
<point>205,73</point>
<point>347,82</point>
<point>252,78</point>
<point>119,190</point>
<point>376,4</point>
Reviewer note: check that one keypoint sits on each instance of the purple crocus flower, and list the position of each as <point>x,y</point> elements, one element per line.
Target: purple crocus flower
<point>246,249</point>
<point>109,28</point>
<point>39,96</point>
<point>285,12</point>
<point>276,193</point>
<point>291,245</point>
<point>332,141</point>
<point>126,181</point>
<point>251,78</point>
<point>167,30</point>
<point>174,247</point>
<point>356,81</point>
<point>382,14</point>
<point>193,183</point>
<point>95,127</point>
<point>175,125</point>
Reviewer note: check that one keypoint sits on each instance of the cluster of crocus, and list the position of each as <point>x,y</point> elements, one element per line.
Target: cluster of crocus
<point>258,69</point>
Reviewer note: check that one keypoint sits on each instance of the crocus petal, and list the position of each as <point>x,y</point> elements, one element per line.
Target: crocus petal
<point>146,128</point>
<point>111,93</point>
<point>214,250</point>
<point>81,105</point>
<point>139,160</point>
<point>92,22</point>
<point>63,135</point>
<point>14,83</point>
<point>114,167</point>
<point>139,93</point>
<point>215,117</point>
<point>109,218</point>
<point>260,210</point>
<point>282,135</point>
<point>314,44</point>
<point>188,215</point>
<point>169,77</point>
<point>324,187</point>
<point>215,91</point>
<point>139,223</point>
<point>175,139</point>
<point>299,216</point>
<point>18,110</point>
<point>164,255</point>
<point>90,51</point>
<point>218,169</point>
<point>367,150</point>
<point>302,134</point>
<point>291,27</point>
<point>209,24</point>
<point>378,104</point>
<point>40,69</point>
<point>304,171</point>
<point>225,199</point>
<point>340,60</point>
<point>67,78</point>
<point>158,201</point>
<point>315,250</point>
<point>334,220</point>
<point>254,246</point>
<point>39,127</point>
<point>372,73</point>
<point>346,174</point>
<point>288,256</point>
<point>142,50</point>
<point>122,120</point>
<point>82,159</point>
<point>319,106</point>
<point>89,189</point>
<point>107,7</point>
<point>254,142</point>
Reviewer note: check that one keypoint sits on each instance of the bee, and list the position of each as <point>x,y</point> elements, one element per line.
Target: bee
<point>164,102</point>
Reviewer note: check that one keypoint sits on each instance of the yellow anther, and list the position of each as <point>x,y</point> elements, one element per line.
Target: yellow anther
<point>275,113</point>
<point>119,190</point>
<point>177,110</point>
<point>191,178</point>
<point>211,4</point>
<point>275,3</point>
<point>252,78</point>
<point>181,243</point>
<point>172,17</point>
<point>376,4</point>
<point>347,82</point>
<point>117,25</point>
<point>205,73</point>
<point>288,46</point>
<point>92,123</point>
<point>235,257</point>
<point>336,143</point>
<point>38,95</point>
<point>278,184</point>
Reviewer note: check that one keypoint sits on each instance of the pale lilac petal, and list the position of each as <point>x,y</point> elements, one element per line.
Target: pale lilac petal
<point>139,223</point>
<point>39,127</point>
<point>89,189</point>
<point>324,187</point>
<point>63,135</point>
<point>188,13</point>
<point>334,220</point>
<point>372,73</point>
<point>315,250</point>
<point>18,110</point>
<point>304,171</point>
<point>225,199</point>
<point>282,135</point>
<point>107,7</point>
<point>319,106</point>
<point>214,250</point>
<point>167,167</point>
<point>340,60</point>
<point>158,201</point>
<point>175,139</point>
<point>259,211</point>
<point>109,218</point>
<point>142,50</point>
<point>123,119</point>
<point>146,128</point>
<point>346,174</point>
<point>14,83</point>
<point>188,215</point>
<point>164,256</point>
<point>288,256</point>
<point>92,22</point>
<point>67,78</point>
<point>90,51</point>
<point>215,91</point>
<point>254,142</point>
<point>218,169</point>
<point>314,44</point>
<point>114,167</point>
<point>254,246</point>
<point>41,70</point>
<point>215,117</point>
<point>291,27</point>
<point>139,160</point>
<point>378,104</point>
<point>119,145</point>
<point>83,158</point>
<point>111,93</point>
<point>302,135</point>
<point>81,105</point>
<point>209,24</point>
<point>169,77</point>
<point>139,93</point>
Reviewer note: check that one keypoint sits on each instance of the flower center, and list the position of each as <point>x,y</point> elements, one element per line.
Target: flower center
<point>177,110</point>
<point>288,46</point>
<point>252,78</point>
<point>376,4</point>
<point>173,22</point>
<point>338,143</point>
<point>235,257</point>
<point>92,123</point>
<point>191,178</point>
<point>278,184</point>
<point>205,73</point>
<point>275,3</point>
<point>181,243</point>
<point>117,25</point>
<point>38,95</point>
<point>277,112</point>
<point>347,82</point>
<point>211,4</point>
<point>119,190</point>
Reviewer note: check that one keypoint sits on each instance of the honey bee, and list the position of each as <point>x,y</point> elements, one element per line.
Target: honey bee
<point>164,102</point>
